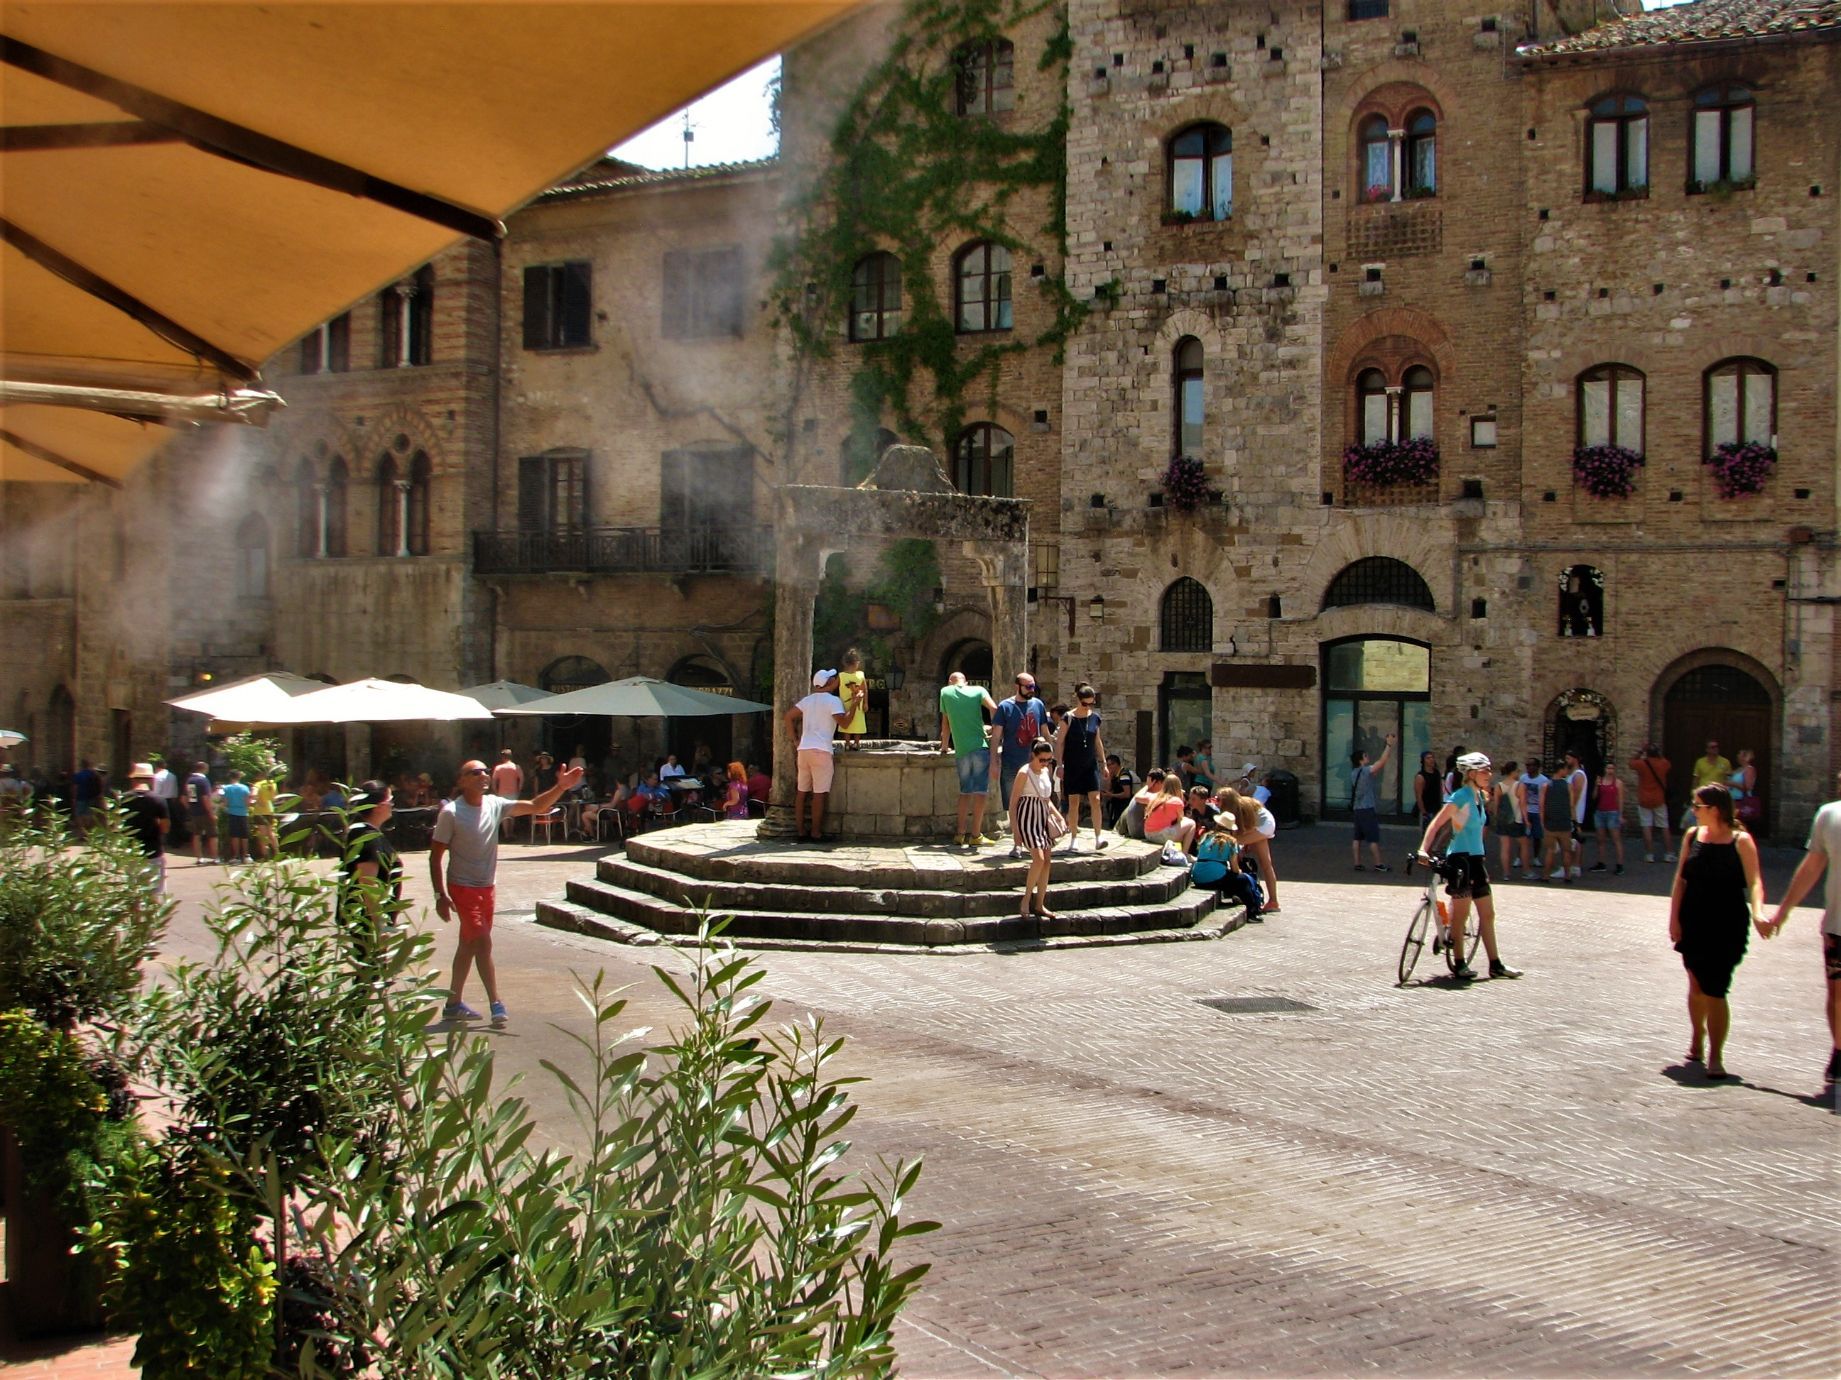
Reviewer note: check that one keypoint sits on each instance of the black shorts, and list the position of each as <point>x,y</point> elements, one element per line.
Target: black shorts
<point>1471,880</point>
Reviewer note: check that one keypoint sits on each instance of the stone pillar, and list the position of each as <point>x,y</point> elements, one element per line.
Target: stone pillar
<point>798,568</point>
<point>402,517</point>
<point>1005,573</point>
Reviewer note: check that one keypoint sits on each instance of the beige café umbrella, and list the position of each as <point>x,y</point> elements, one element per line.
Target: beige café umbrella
<point>373,701</point>
<point>251,700</point>
<point>500,695</point>
<point>639,697</point>
<point>186,188</point>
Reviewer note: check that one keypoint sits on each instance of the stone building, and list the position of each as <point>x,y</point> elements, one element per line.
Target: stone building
<point>1402,348</point>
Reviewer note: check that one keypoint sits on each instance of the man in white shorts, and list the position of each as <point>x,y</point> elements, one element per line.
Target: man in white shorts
<point>1824,845</point>
<point>814,722</point>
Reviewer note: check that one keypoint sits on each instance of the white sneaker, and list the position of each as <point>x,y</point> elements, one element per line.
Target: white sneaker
<point>1668,857</point>
<point>1577,873</point>
<point>1559,876</point>
<point>1649,857</point>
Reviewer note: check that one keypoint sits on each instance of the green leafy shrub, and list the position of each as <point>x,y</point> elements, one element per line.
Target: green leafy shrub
<point>188,1273</point>
<point>76,923</point>
<point>706,1229</point>
<point>48,1096</point>
<point>253,755</point>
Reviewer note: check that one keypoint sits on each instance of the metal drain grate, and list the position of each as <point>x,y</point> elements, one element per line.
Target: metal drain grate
<point>1257,1006</point>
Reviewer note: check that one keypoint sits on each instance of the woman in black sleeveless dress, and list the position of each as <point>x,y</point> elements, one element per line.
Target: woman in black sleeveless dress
<point>1078,746</point>
<point>1718,896</point>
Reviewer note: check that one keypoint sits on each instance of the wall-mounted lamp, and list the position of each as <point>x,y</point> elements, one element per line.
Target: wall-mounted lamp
<point>1096,608</point>
<point>898,677</point>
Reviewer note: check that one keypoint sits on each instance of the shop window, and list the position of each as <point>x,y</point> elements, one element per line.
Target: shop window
<point>1187,622</point>
<point>1741,404</point>
<point>984,461</point>
<point>1581,601</point>
<point>1610,407</point>
<point>1722,139</point>
<point>1617,147</point>
<point>981,288</point>
<point>1379,580</point>
<point>985,77</point>
<point>1202,172</point>
<point>1189,398</point>
<point>875,297</point>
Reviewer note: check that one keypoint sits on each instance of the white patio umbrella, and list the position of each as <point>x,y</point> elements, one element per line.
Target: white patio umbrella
<point>374,701</point>
<point>11,737</point>
<point>253,699</point>
<point>506,694</point>
<point>639,697</point>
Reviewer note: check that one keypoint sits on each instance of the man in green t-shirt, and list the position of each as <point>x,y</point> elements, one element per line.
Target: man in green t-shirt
<point>965,733</point>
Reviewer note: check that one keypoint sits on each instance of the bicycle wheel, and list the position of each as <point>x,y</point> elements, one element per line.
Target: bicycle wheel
<point>1415,940</point>
<point>1457,955</point>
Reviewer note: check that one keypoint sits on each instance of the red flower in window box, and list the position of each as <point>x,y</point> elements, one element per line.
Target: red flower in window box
<point>1741,467</point>
<point>1606,471</point>
<point>1390,464</point>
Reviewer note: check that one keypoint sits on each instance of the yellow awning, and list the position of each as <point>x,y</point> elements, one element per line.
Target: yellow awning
<point>140,237</point>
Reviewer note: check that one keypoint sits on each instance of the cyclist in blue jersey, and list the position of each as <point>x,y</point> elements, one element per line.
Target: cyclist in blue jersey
<point>1465,812</point>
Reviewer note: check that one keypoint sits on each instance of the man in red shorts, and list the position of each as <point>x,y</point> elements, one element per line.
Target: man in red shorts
<point>463,860</point>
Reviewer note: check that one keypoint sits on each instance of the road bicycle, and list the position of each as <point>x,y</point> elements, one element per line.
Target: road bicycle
<point>1432,911</point>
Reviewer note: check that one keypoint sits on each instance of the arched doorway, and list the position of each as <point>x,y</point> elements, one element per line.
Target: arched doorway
<point>1717,702</point>
<point>971,655</point>
<point>716,731</point>
<point>1581,721</point>
<point>60,750</point>
<point>1374,686</point>
<point>588,736</point>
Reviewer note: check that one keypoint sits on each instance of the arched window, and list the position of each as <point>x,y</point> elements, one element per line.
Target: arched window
<point>1371,407</point>
<point>983,461</point>
<point>417,512</point>
<point>1617,146</point>
<point>1202,172</point>
<point>1188,618</point>
<point>389,509</point>
<point>875,297</point>
<point>981,288</point>
<point>1188,390</point>
<point>1581,601</point>
<point>984,77</point>
<point>252,558</point>
<point>306,510</point>
<point>1722,138</point>
<point>1379,580</point>
<point>568,673</point>
<point>1741,404</point>
<point>1421,154</point>
<point>335,499</point>
<point>1417,387</point>
<point>1377,156</point>
<point>1610,407</point>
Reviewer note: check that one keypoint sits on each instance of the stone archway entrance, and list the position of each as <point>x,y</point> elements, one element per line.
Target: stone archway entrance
<point>1581,721</point>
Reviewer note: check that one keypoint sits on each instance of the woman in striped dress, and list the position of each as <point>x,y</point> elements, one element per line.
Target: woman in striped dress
<point>1035,824</point>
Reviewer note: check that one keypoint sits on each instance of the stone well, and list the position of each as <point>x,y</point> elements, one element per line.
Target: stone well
<point>892,790</point>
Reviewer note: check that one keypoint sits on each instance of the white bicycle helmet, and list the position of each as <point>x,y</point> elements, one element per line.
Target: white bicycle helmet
<point>1473,761</point>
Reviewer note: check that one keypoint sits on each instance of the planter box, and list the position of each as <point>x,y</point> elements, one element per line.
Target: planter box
<point>48,1290</point>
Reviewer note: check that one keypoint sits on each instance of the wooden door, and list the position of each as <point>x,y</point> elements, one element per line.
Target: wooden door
<point>1716,704</point>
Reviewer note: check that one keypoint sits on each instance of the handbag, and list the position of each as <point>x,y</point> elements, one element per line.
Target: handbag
<point>1748,808</point>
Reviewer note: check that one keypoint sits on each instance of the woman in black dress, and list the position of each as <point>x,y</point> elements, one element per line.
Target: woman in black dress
<point>1079,750</point>
<point>1718,895</point>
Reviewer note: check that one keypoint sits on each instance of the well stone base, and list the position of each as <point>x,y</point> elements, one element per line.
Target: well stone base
<point>879,895</point>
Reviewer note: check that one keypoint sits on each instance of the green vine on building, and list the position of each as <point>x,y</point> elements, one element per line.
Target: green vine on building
<point>907,174</point>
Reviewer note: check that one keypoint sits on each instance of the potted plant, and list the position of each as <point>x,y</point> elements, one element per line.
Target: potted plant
<point>1741,467</point>
<point>1392,464</point>
<point>1606,471</point>
<point>1185,484</point>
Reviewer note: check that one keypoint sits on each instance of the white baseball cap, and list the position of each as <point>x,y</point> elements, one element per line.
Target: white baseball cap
<point>820,679</point>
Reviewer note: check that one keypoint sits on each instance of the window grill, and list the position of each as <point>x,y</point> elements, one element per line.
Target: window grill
<point>1379,580</point>
<point>1188,623</point>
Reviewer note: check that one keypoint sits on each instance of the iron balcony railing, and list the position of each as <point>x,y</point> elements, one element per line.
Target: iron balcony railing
<point>671,551</point>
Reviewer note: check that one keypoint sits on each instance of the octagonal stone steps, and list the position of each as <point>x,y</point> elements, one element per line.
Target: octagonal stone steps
<point>912,896</point>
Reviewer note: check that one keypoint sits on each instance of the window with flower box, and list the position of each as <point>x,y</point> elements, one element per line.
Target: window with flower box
<point>1610,407</point>
<point>1397,147</point>
<point>1741,404</point>
<point>1188,390</point>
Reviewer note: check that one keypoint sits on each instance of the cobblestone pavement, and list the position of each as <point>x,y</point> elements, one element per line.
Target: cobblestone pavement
<point>1510,1178</point>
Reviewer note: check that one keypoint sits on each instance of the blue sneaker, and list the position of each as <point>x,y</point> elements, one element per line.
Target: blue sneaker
<point>499,1015</point>
<point>458,1011</point>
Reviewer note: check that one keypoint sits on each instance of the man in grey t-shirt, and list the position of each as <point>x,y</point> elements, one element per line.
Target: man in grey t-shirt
<point>466,847</point>
<point>1824,845</point>
<point>1365,803</point>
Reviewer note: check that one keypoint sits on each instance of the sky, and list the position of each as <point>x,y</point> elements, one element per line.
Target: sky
<point>731,124</point>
